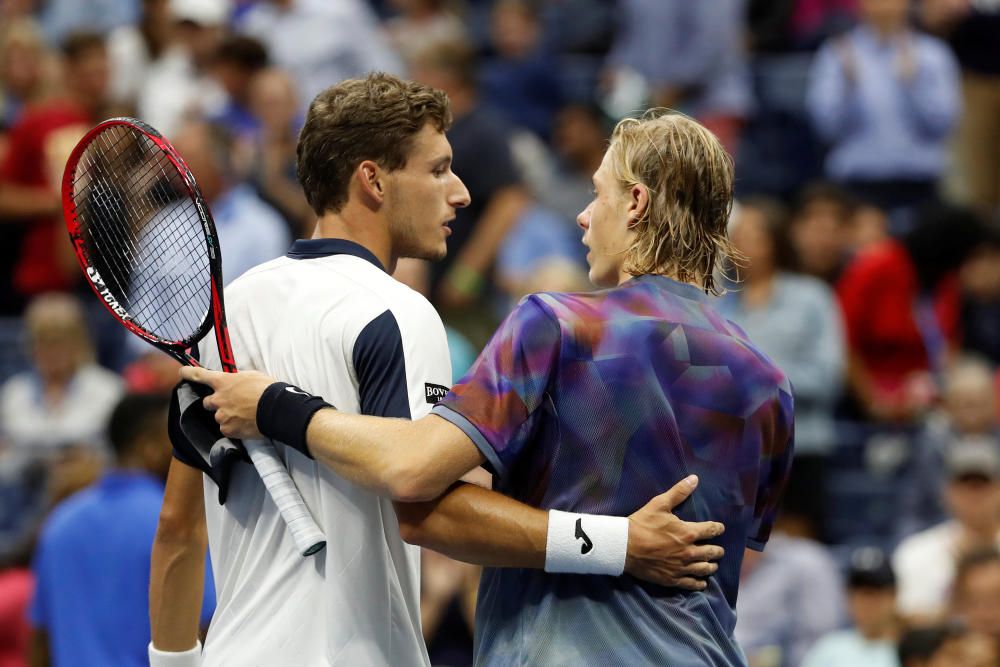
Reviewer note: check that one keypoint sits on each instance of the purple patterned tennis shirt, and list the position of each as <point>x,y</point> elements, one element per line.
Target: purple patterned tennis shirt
<point>595,403</point>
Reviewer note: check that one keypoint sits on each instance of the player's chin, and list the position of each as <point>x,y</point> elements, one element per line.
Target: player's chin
<point>432,253</point>
<point>600,277</point>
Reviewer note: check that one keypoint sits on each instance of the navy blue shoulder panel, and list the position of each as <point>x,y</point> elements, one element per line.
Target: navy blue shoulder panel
<point>381,368</point>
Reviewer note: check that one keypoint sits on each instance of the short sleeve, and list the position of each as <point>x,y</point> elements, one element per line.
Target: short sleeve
<point>494,404</point>
<point>778,433</point>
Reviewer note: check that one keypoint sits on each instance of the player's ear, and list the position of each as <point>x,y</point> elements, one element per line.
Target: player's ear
<point>638,203</point>
<point>371,180</point>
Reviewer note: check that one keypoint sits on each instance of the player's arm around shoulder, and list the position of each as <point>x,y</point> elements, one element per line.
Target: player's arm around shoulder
<point>417,461</point>
<point>177,571</point>
<point>476,525</point>
<point>374,452</point>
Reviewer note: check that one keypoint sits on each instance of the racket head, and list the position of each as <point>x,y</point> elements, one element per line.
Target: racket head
<point>144,236</point>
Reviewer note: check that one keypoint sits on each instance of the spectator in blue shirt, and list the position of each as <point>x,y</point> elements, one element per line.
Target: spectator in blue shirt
<point>885,98</point>
<point>91,567</point>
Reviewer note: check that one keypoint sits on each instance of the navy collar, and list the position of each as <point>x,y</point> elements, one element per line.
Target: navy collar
<point>313,248</point>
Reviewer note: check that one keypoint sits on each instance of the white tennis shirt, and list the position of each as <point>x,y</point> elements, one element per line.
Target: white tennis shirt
<point>329,319</point>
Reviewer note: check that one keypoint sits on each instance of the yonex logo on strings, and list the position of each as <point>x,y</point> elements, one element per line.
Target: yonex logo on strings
<point>106,294</point>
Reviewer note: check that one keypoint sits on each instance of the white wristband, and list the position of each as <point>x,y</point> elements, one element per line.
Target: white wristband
<point>586,543</point>
<point>189,658</point>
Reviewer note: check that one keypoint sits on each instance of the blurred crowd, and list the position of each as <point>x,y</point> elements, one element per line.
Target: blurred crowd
<point>866,137</point>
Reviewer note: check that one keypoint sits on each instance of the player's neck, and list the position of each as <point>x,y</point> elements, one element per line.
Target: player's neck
<point>362,228</point>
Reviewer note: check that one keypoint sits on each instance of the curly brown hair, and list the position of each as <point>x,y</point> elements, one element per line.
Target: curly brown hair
<point>375,118</point>
<point>689,176</point>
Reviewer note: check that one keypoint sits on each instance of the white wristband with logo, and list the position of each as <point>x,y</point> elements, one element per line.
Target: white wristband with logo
<point>586,543</point>
<point>189,658</point>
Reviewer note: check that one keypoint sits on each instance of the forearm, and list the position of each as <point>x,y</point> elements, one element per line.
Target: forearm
<point>404,460</point>
<point>177,568</point>
<point>476,525</point>
<point>177,583</point>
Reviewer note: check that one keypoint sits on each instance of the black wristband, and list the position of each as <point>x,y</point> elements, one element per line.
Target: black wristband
<point>284,412</point>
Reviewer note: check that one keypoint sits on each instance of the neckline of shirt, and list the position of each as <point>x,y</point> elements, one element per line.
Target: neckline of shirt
<point>679,288</point>
<point>314,248</point>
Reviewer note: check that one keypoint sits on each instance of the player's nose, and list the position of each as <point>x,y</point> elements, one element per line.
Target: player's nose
<point>460,197</point>
<point>583,218</point>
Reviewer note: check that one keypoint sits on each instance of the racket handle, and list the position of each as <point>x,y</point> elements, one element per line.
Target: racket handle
<point>308,537</point>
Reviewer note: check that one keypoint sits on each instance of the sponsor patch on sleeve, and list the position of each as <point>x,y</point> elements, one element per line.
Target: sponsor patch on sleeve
<point>434,392</point>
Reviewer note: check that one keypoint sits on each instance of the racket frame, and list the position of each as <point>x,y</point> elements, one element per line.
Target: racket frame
<point>309,540</point>
<point>216,315</point>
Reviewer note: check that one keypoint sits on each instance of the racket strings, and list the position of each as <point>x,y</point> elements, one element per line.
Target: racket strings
<point>152,199</point>
<point>142,231</point>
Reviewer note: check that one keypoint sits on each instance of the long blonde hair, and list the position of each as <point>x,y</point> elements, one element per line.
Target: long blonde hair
<point>689,176</point>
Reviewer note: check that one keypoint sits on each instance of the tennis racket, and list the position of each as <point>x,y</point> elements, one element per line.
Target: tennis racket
<point>146,241</point>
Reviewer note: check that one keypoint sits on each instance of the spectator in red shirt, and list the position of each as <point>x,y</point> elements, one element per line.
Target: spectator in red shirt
<point>31,173</point>
<point>901,306</point>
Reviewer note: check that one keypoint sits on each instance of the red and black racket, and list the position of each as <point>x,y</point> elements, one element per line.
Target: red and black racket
<point>146,241</point>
